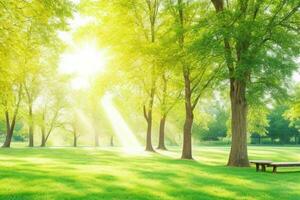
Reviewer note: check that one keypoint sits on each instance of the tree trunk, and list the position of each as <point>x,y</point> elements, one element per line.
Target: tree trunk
<point>161,138</point>
<point>43,130</point>
<point>187,136</point>
<point>111,141</point>
<point>8,138</point>
<point>43,142</point>
<point>238,155</point>
<point>9,128</point>
<point>75,141</point>
<point>30,136</point>
<point>149,146</point>
<point>189,117</point>
<point>8,132</point>
<point>97,140</point>
<point>30,127</point>
<point>149,136</point>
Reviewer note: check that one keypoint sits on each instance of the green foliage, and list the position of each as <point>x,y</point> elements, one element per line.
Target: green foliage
<point>217,127</point>
<point>293,113</point>
<point>280,127</point>
<point>257,119</point>
<point>263,45</point>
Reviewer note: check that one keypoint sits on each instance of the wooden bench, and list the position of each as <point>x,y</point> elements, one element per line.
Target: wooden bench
<point>262,163</point>
<point>275,165</point>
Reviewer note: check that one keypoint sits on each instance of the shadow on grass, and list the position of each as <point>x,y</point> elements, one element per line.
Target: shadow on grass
<point>101,174</point>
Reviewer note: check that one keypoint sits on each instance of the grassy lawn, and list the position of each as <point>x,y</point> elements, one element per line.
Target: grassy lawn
<point>89,173</point>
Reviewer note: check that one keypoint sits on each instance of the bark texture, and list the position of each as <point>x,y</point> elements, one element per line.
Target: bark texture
<point>189,117</point>
<point>10,126</point>
<point>43,139</point>
<point>161,138</point>
<point>148,117</point>
<point>111,141</point>
<point>75,141</point>
<point>238,153</point>
<point>30,131</point>
<point>9,131</point>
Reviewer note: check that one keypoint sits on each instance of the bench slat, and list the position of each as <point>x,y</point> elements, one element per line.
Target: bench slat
<point>285,164</point>
<point>261,161</point>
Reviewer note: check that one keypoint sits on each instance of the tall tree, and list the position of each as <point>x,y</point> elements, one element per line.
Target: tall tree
<point>260,42</point>
<point>152,12</point>
<point>53,102</point>
<point>198,73</point>
<point>11,107</point>
<point>168,95</point>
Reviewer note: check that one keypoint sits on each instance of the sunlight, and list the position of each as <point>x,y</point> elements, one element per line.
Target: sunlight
<point>86,122</point>
<point>84,62</point>
<point>296,77</point>
<point>171,154</point>
<point>128,141</point>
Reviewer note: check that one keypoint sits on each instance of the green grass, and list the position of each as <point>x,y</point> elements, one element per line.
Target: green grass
<point>89,173</point>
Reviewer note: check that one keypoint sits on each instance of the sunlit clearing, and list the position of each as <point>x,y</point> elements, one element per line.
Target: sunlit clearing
<point>84,62</point>
<point>126,137</point>
<point>85,120</point>
<point>171,154</point>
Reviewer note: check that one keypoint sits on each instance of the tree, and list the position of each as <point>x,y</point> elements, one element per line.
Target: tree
<point>72,126</point>
<point>168,96</point>
<point>198,74</point>
<point>259,48</point>
<point>152,8</point>
<point>53,101</point>
<point>11,105</point>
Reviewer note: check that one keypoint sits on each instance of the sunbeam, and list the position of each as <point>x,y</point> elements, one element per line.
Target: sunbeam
<point>85,121</point>
<point>126,137</point>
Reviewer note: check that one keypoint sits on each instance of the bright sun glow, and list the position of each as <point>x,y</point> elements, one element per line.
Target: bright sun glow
<point>126,137</point>
<point>84,62</point>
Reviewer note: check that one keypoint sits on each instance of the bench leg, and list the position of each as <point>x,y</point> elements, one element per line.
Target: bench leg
<point>263,168</point>
<point>274,169</point>
<point>257,167</point>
